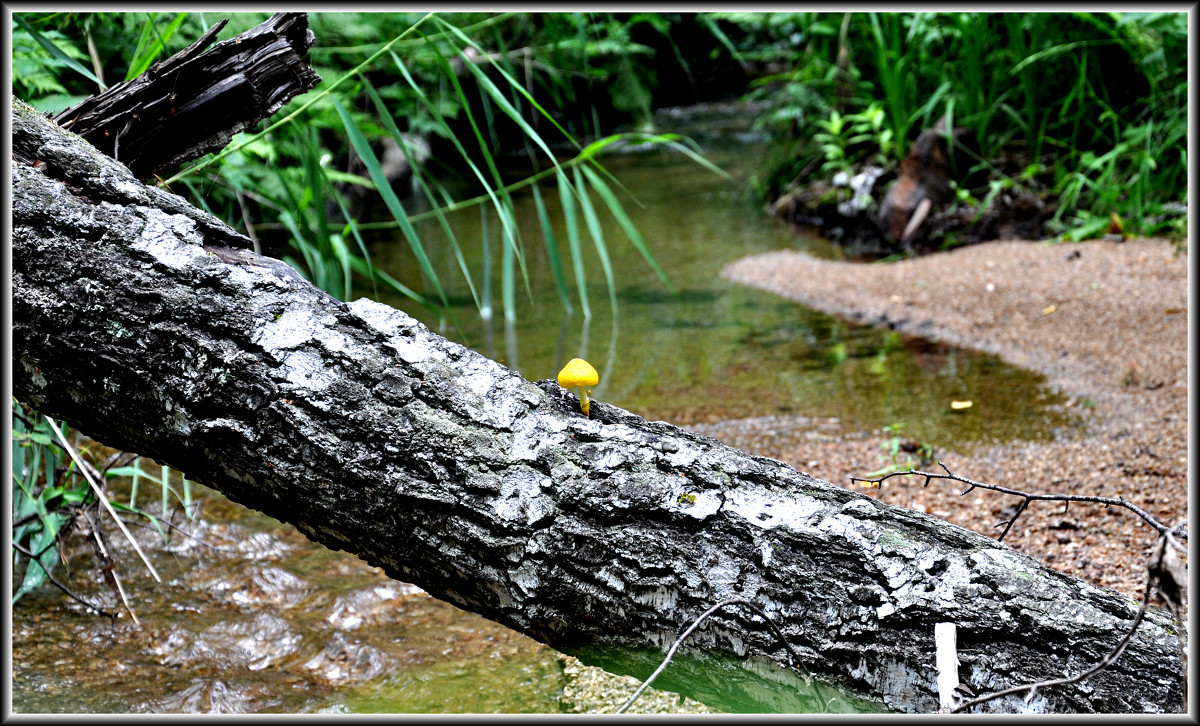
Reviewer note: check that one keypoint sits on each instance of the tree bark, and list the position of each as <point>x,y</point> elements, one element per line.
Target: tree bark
<point>195,101</point>
<point>145,324</point>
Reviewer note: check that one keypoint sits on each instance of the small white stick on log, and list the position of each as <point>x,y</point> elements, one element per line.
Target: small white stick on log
<point>945,638</point>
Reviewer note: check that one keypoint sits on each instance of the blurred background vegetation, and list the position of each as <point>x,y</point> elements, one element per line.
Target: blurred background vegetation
<point>421,116</point>
<point>1088,109</point>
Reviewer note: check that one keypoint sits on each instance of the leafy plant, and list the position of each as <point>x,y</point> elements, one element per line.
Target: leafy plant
<point>845,140</point>
<point>49,492</point>
<point>40,500</point>
<point>39,59</point>
<point>903,453</point>
<point>293,184</point>
<point>1095,101</point>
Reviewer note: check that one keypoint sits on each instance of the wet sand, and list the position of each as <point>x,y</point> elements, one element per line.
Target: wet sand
<point>1106,322</point>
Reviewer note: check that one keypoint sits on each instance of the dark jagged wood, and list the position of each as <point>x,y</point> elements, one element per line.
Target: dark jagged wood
<point>599,536</point>
<point>194,102</point>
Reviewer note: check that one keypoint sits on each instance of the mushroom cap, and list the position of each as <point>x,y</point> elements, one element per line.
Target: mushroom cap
<point>578,372</point>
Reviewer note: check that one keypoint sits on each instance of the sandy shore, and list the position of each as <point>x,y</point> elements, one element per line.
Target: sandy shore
<point>1106,322</point>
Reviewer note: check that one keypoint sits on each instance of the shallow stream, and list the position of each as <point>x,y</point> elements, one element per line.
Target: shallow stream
<point>252,617</point>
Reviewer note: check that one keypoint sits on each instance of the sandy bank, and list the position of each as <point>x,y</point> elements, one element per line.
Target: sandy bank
<point>1106,322</point>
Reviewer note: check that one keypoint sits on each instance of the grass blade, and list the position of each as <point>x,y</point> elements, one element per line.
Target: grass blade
<point>509,232</point>
<point>342,254</point>
<point>566,195</point>
<point>597,233</point>
<point>622,219</point>
<point>418,173</point>
<point>56,53</point>
<point>507,293</point>
<point>485,242</point>
<point>505,221</point>
<point>514,83</point>
<point>361,267</point>
<point>367,155</point>
<point>556,270</point>
<point>148,52</point>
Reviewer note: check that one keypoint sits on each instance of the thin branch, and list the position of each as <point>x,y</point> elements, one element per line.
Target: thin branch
<point>21,415</point>
<point>103,499</point>
<point>108,567</point>
<point>176,528</point>
<point>1156,577</point>
<point>54,581</point>
<point>792,659</point>
<point>1104,663</point>
<point>28,518</point>
<point>1177,530</point>
<point>119,458</point>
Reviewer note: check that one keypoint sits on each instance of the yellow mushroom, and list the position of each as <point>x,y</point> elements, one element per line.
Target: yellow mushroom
<point>579,374</point>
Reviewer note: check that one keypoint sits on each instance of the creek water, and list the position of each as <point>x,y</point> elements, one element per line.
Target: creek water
<point>707,349</point>
<point>252,617</point>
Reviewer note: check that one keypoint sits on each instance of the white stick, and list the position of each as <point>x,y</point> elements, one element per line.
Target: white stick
<point>918,218</point>
<point>103,499</point>
<point>95,527</point>
<point>945,638</point>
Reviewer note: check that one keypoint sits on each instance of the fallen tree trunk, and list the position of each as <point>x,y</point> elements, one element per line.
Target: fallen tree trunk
<point>147,325</point>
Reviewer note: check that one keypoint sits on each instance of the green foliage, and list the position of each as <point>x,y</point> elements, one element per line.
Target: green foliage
<point>1096,100</point>
<point>304,181</point>
<point>152,43</point>
<point>850,139</point>
<point>903,454</point>
<point>38,61</point>
<point>475,85</point>
<point>298,184</point>
<point>49,492</point>
<point>39,499</point>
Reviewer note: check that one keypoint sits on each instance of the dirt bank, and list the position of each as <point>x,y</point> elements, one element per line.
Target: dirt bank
<point>1106,322</point>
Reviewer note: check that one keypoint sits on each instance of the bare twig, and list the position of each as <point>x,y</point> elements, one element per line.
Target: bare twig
<point>107,567</point>
<point>792,659</point>
<point>176,528</point>
<point>21,415</point>
<point>1169,574</point>
<point>29,518</point>
<point>100,495</point>
<point>1104,663</point>
<point>1162,578</point>
<point>1166,575</point>
<point>54,581</point>
<point>1178,531</point>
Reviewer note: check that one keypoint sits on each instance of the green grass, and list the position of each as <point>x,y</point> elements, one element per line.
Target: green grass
<point>1095,102</point>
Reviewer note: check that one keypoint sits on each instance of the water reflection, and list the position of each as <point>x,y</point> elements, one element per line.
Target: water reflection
<point>709,350</point>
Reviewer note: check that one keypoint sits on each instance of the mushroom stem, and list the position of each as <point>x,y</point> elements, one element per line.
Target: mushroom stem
<point>583,400</point>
